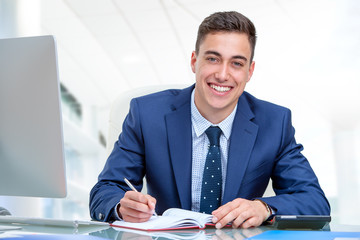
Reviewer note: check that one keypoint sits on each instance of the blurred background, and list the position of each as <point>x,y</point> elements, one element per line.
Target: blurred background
<point>307,59</point>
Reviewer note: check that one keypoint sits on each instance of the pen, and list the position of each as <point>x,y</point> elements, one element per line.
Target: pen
<point>134,189</point>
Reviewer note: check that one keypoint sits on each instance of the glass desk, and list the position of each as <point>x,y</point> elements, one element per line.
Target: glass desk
<point>107,232</point>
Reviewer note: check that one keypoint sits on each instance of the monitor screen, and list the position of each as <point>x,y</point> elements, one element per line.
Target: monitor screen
<point>31,141</point>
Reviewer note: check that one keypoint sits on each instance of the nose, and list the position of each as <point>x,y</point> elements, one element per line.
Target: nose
<point>222,73</point>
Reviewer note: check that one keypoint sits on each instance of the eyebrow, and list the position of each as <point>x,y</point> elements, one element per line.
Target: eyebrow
<point>219,55</point>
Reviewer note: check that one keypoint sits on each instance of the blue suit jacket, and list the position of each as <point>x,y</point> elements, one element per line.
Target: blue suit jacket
<point>156,142</point>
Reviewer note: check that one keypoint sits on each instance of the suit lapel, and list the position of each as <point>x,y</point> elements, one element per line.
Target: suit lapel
<point>178,124</point>
<point>242,141</point>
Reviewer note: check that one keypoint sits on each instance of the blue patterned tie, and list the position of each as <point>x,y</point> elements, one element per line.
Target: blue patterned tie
<point>212,180</point>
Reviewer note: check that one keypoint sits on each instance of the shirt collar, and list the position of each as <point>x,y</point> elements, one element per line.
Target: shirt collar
<point>200,123</point>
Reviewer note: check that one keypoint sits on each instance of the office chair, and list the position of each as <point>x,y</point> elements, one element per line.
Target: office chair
<point>120,108</point>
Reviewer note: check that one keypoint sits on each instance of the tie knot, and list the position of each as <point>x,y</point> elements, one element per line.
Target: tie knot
<point>213,133</point>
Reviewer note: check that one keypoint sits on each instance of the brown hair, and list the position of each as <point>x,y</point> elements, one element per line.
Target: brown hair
<point>227,22</point>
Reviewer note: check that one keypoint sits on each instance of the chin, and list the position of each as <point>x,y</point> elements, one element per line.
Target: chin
<point>219,106</point>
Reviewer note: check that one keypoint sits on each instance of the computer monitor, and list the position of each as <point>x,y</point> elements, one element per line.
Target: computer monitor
<point>31,141</point>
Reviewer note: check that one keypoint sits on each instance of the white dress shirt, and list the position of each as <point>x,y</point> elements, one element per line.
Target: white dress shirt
<point>200,144</point>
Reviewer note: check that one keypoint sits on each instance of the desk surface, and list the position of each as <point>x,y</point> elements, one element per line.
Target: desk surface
<point>118,233</point>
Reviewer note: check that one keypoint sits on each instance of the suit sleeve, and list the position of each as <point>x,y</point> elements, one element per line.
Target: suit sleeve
<point>126,160</point>
<point>294,182</point>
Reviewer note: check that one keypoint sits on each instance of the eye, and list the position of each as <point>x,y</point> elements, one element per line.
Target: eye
<point>211,59</point>
<point>238,64</point>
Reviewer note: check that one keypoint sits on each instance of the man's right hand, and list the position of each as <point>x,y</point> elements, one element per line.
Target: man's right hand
<point>136,207</point>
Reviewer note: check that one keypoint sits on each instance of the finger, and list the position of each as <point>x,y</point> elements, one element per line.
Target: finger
<point>227,213</point>
<point>222,211</point>
<point>136,196</point>
<point>124,210</point>
<point>227,219</point>
<point>134,212</point>
<point>131,214</point>
<point>223,208</point>
<point>151,202</point>
<point>228,207</point>
<point>129,218</point>
<point>242,217</point>
<point>251,222</point>
<point>135,202</point>
<point>135,209</point>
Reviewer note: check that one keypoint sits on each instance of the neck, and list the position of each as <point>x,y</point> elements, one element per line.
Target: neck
<point>215,116</point>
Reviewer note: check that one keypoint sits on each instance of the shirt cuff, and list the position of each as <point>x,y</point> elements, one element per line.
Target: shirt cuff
<point>272,214</point>
<point>115,214</point>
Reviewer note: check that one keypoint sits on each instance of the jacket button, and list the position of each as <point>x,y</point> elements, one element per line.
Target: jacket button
<point>101,216</point>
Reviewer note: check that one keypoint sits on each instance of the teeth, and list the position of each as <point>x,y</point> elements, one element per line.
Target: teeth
<point>220,89</point>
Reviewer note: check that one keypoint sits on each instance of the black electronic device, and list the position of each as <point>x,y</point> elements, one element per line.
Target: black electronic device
<point>301,221</point>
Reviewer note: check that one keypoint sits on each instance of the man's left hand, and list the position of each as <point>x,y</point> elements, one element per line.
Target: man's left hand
<point>242,213</point>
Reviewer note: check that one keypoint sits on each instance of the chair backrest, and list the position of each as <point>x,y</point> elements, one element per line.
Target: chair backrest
<point>120,108</point>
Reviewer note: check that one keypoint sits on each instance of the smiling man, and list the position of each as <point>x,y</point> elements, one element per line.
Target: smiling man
<point>211,147</point>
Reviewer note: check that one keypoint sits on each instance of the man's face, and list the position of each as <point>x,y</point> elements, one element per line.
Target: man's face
<point>222,68</point>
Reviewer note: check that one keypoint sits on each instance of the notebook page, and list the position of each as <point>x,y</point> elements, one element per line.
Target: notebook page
<point>158,222</point>
<point>200,217</point>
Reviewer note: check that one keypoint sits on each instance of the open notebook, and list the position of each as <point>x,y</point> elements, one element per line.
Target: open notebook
<point>173,218</point>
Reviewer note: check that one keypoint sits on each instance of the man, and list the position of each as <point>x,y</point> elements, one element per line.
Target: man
<point>166,135</point>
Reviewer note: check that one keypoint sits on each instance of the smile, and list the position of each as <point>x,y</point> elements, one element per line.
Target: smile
<point>220,88</point>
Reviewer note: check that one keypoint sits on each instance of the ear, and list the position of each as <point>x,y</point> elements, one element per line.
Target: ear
<point>193,61</point>
<point>251,70</point>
